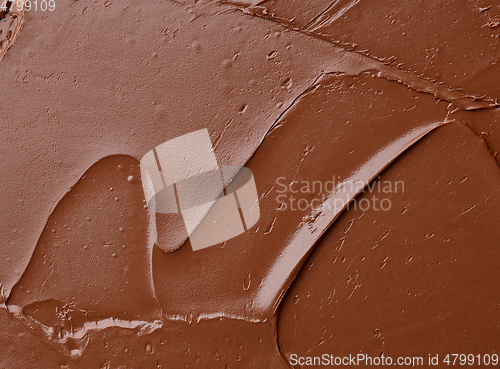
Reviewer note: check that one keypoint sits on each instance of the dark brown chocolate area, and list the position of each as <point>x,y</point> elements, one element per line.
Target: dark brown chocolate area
<point>371,117</point>
<point>486,124</point>
<point>215,344</point>
<point>91,268</point>
<point>416,280</point>
<point>94,251</point>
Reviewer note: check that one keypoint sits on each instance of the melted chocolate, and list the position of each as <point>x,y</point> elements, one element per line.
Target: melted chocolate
<point>355,91</point>
<point>421,273</point>
<point>12,16</point>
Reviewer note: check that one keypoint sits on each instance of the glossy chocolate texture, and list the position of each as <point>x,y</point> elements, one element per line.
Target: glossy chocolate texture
<point>360,91</point>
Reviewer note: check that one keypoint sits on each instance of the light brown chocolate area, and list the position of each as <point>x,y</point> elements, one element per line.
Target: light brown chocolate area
<point>122,79</point>
<point>12,15</point>
<point>452,42</point>
<point>296,91</point>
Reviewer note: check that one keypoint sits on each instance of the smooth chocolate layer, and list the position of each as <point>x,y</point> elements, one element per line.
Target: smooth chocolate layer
<point>451,42</point>
<point>355,91</point>
<point>121,80</point>
<point>416,280</point>
<point>351,144</point>
<point>91,268</point>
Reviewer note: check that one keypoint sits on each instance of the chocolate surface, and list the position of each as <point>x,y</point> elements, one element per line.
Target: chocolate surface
<point>415,280</point>
<point>12,17</point>
<point>364,93</point>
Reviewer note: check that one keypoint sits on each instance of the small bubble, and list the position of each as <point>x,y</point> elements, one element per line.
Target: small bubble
<point>196,46</point>
<point>130,178</point>
<point>330,297</point>
<point>384,263</point>
<point>377,333</point>
<point>272,55</point>
<point>243,108</point>
<point>287,83</point>
<point>247,282</point>
<point>149,348</point>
